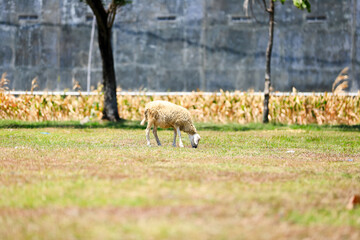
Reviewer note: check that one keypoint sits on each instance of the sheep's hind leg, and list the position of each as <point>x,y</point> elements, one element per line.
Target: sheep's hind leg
<point>156,136</point>
<point>174,142</point>
<point>147,131</point>
<point>180,141</point>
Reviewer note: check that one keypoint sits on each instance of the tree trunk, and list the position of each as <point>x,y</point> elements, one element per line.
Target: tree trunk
<point>110,111</point>
<point>271,11</point>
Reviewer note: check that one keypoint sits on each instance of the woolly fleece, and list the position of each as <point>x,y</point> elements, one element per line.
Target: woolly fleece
<point>166,115</point>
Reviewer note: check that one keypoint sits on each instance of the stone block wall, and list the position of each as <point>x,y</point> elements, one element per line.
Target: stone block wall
<point>181,45</point>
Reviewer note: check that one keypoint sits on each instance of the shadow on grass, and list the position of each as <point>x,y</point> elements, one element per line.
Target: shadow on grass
<point>278,126</point>
<point>70,124</point>
<point>200,126</point>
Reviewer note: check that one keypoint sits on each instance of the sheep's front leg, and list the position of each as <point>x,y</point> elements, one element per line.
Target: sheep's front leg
<point>156,136</point>
<point>180,141</point>
<point>147,131</point>
<point>174,142</point>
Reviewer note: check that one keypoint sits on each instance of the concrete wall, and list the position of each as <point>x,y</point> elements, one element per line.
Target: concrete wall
<point>200,44</point>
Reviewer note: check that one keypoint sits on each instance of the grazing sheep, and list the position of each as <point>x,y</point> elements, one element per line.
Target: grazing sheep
<point>165,115</point>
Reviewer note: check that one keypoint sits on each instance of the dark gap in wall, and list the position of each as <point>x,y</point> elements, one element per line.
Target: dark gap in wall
<point>242,19</point>
<point>315,19</point>
<point>166,18</point>
<point>89,18</point>
<point>28,17</point>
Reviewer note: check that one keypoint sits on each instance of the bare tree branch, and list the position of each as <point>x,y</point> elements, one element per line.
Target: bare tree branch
<point>246,7</point>
<point>248,4</point>
<point>111,13</point>
<point>264,2</point>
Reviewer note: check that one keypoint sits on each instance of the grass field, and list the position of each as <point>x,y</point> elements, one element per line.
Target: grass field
<point>100,181</point>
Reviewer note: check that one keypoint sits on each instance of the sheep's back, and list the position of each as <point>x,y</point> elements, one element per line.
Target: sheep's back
<point>167,114</point>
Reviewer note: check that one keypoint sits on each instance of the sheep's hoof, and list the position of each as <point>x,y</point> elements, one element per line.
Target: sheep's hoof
<point>182,145</point>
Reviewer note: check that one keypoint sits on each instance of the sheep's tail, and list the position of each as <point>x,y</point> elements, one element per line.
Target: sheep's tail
<point>145,118</point>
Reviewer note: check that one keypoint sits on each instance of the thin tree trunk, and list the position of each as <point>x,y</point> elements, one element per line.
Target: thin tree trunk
<point>354,85</point>
<point>110,111</point>
<point>271,11</point>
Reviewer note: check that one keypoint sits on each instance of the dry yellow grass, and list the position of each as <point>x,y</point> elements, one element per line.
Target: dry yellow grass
<point>234,107</point>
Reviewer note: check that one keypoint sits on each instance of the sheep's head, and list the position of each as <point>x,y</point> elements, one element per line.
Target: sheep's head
<point>194,139</point>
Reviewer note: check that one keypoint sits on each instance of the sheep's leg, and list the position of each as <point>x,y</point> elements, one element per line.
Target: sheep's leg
<point>147,131</point>
<point>180,141</point>
<point>174,142</point>
<point>156,136</point>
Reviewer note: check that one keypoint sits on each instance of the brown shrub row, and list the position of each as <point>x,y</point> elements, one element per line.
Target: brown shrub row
<point>219,108</point>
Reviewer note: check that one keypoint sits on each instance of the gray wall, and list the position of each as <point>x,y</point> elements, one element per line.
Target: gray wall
<point>203,48</point>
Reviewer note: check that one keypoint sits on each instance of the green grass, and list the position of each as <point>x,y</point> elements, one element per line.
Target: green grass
<point>63,180</point>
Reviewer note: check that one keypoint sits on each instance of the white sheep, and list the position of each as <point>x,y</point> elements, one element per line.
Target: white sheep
<point>165,115</point>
